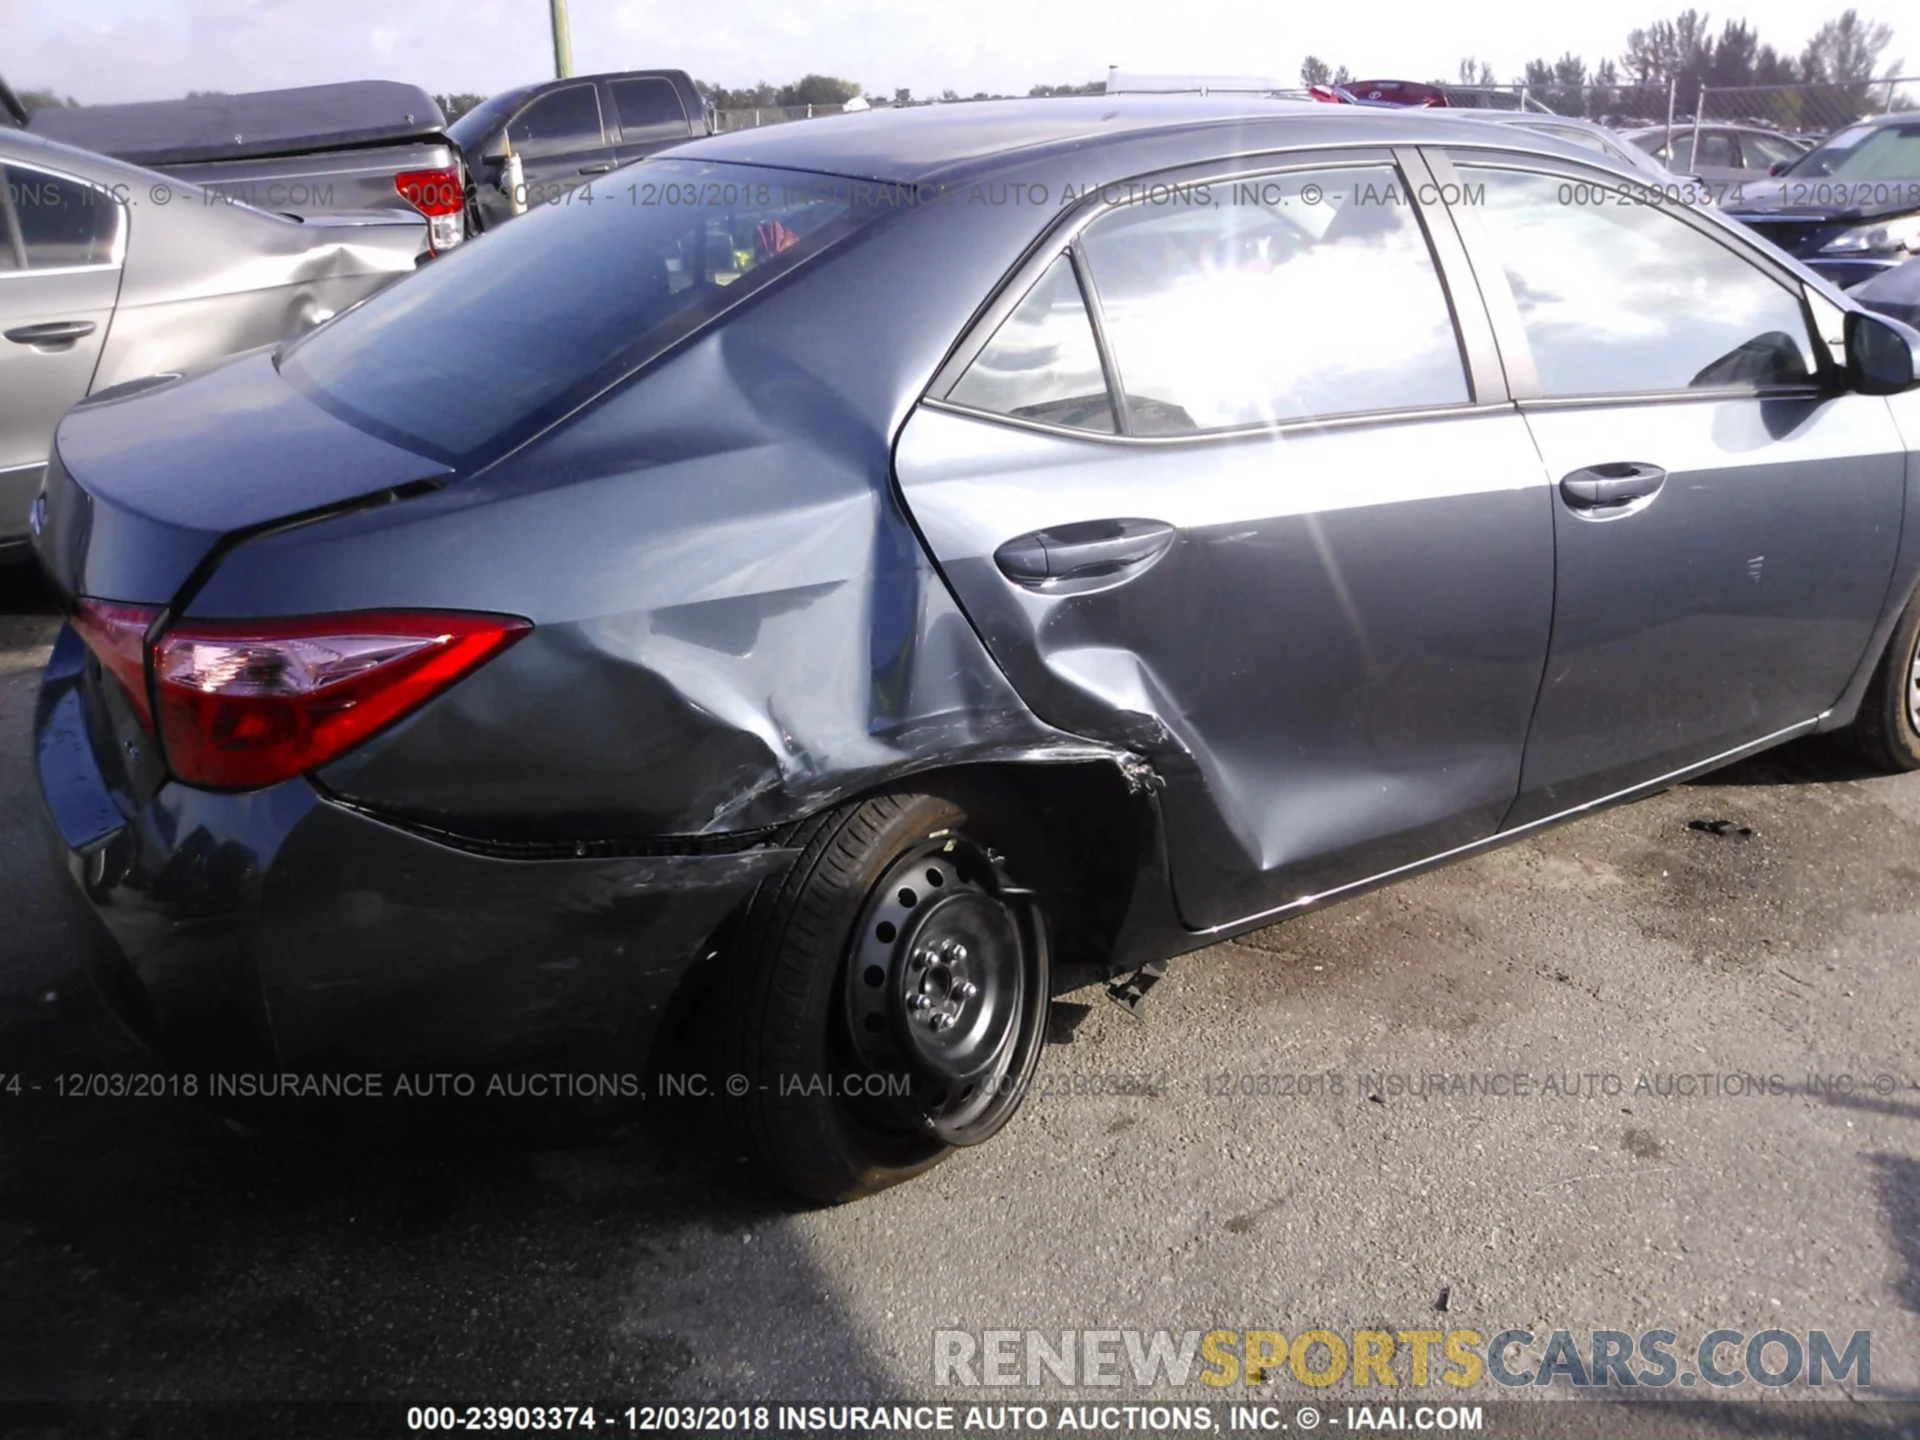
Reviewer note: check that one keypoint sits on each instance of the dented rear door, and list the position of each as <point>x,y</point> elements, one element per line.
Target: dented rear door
<point>1279,533</point>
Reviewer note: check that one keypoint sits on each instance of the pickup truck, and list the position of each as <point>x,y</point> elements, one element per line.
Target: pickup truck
<point>316,150</point>
<point>566,131</point>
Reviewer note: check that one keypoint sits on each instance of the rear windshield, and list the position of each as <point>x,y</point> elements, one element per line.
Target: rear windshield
<point>510,331</point>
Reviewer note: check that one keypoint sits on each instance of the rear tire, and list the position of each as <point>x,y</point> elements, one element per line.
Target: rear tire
<point>1886,732</point>
<point>886,998</point>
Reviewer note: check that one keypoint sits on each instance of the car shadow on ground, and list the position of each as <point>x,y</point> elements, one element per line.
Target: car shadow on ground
<point>24,590</point>
<point>1813,760</point>
<point>147,1251</point>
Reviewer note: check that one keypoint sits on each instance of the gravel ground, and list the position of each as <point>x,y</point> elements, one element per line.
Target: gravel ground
<point>149,1252</point>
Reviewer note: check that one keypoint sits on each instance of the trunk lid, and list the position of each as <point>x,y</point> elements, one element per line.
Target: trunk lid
<point>149,480</point>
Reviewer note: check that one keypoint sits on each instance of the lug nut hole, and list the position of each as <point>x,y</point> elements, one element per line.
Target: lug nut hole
<point>934,879</point>
<point>908,898</point>
<point>885,932</point>
<point>875,1022</point>
<point>875,976</point>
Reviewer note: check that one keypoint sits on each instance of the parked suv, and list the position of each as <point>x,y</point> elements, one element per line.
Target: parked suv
<point>566,131</point>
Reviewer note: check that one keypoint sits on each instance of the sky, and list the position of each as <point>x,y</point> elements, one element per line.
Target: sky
<point>107,50</point>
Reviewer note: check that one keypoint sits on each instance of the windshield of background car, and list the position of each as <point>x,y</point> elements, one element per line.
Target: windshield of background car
<point>504,335</point>
<point>1866,152</point>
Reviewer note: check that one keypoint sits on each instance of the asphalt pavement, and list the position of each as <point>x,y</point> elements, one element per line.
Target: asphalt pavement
<point>1494,1097</point>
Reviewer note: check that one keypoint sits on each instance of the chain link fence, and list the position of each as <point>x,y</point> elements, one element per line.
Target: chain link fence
<point>1809,111</point>
<point>768,115</point>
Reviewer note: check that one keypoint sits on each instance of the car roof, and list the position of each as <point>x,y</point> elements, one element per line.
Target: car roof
<point>1531,117</point>
<point>974,139</point>
<point>28,148</point>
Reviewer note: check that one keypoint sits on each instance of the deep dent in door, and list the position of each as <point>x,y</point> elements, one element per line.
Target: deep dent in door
<point>1332,666</point>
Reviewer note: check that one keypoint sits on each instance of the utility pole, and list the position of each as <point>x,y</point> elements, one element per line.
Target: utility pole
<point>562,42</point>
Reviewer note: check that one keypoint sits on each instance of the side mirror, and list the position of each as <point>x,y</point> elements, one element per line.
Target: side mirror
<point>1879,354</point>
<point>1778,167</point>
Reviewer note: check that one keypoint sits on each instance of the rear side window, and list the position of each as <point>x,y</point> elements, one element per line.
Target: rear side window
<point>566,119</point>
<point>1619,297</point>
<point>648,109</point>
<point>1273,299</point>
<point>1767,150</point>
<point>1042,363</point>
<point>1716,148</point>
<point>48,222</point>
<point>498,338</point>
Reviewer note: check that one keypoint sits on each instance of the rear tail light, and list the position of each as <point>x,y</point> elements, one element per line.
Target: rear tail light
<point>432,192</point>
<point>117,636</point>
<point>243,704</point>
<point>441,196</point>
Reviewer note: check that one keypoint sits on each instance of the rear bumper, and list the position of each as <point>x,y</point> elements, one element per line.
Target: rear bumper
<point>278,932</point>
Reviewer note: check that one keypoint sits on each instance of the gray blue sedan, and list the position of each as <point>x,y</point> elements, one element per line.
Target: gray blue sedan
<point>829,586</point>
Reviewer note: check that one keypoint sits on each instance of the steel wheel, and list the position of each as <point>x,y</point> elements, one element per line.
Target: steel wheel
<point>945,990</point>
<point>888,995</point>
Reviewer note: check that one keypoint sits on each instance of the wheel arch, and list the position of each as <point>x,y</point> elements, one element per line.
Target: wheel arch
<point>1083,832</point>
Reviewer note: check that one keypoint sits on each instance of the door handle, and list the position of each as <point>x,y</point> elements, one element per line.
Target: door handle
<point>1085,550</point>
<point>1605,487</point>
<point>599,167</point>
<point>53,332</point>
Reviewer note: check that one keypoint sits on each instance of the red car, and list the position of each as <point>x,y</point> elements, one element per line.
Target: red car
<point>1396,93</point>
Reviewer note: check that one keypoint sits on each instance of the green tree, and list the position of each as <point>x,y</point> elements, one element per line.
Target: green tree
<point>1474,71</point>
<point>1670,50</point>
<point>1734,53</point>
<point>818,90</point>
<point>454,105</point>
<point>32,100</point>
<point>1845,51</point>
<point>1603,96</point>
<point>1315,71</point>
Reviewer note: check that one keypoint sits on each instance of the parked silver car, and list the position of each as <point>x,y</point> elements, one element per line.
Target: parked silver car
<point>1591,135</point>
<point>1728,154</point>
<point>109,273</point>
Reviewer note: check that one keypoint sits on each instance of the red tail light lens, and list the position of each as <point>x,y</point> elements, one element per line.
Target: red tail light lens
<point>244,704</point>
<point>432,192</point>
<point>117,636</point>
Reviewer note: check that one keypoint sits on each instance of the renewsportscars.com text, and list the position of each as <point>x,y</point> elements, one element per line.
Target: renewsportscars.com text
<point>1606,1359</point>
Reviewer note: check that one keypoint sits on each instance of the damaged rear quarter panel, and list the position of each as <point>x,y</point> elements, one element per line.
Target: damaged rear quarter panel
<point>734,624</point>
<point>206,278</point>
